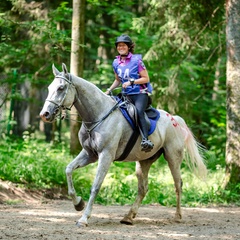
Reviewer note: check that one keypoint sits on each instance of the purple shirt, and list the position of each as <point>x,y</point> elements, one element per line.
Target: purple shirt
<point>141,65</point>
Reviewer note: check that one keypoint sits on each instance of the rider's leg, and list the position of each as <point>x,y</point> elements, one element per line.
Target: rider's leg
<point>141,101</point>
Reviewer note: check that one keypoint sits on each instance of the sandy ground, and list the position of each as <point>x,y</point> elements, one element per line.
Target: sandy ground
<point>27,215</point>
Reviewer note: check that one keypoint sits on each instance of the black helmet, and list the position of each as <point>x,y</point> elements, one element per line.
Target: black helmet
<point>124,38</point>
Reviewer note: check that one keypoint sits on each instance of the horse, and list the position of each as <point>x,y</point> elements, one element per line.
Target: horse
<point>104,134</point>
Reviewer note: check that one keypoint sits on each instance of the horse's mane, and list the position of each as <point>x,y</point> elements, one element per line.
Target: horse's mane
<point>96,91</point>
<point>88,83</point>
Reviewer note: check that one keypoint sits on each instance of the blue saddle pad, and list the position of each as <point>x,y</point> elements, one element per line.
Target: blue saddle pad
<point>152,113</point>
<point>153,120</point>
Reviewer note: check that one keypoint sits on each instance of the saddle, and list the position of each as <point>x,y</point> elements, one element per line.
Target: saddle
<point>150,112</point>
<point>129,111</point>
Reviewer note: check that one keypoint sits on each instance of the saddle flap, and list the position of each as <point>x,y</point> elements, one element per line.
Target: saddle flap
<point>131,109</point>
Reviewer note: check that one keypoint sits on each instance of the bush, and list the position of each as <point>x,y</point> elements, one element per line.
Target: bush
<point>36,164</point>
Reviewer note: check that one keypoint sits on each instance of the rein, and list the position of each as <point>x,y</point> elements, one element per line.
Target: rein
<point>95,124</point>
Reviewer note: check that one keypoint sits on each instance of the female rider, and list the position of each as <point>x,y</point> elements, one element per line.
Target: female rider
<point>131,72</point>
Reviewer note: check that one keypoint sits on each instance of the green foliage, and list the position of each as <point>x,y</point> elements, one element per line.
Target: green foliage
<point>183,47</point>
<point>26,162</point>
<point>40,165</point>
<point>28,39</point>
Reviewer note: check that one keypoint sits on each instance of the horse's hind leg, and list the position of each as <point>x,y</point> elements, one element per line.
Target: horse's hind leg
<point>142,169</point>
<point>174,159</point>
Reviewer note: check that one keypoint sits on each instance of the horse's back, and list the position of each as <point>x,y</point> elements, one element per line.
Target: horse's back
<point>170,129</point>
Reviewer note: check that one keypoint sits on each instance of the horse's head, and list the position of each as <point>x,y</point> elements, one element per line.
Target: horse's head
<point>61,94</point>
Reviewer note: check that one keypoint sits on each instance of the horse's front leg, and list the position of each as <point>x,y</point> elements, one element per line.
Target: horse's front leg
<point>104,163</point>
<point>81,160</point>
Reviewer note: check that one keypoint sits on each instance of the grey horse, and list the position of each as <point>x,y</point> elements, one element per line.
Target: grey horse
<point>104,135</point>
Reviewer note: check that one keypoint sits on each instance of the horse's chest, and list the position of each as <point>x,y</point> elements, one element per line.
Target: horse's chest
<point>93,141</point>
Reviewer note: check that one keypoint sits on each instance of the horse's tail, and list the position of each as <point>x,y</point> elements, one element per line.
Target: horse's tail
<point>194,154</point>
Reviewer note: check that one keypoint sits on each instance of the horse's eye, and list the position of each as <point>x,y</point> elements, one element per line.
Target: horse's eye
<point>61,88</point>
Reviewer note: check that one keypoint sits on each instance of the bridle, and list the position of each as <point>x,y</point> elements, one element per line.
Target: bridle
<point>60,105</point>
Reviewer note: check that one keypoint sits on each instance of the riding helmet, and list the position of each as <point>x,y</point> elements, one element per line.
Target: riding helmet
<point>124,38</point>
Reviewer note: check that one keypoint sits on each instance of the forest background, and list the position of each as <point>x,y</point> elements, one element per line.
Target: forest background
<point>183,44</point>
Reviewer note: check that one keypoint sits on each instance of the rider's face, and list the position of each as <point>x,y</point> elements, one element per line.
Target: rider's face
<point>122,48</point>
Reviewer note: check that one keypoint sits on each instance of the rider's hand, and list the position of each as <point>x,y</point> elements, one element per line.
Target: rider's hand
<point>126,84</point>
<point>108,92</point>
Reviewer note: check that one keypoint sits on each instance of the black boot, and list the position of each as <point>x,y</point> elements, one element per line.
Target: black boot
<point>146,145</point>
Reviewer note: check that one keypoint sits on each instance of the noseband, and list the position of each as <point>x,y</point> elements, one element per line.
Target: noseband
<point>60,105</point>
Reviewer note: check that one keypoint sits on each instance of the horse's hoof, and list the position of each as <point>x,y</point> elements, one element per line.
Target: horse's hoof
<point>81,225</point>
<point>178,218</point>
<point>80,205</point>
<point>126,220</point>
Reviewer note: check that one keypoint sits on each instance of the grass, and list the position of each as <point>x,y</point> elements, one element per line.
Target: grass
<point>36,164</point>
<point>12,202</point>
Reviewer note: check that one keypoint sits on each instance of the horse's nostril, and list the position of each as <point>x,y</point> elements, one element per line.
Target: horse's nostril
<point>46,114</point>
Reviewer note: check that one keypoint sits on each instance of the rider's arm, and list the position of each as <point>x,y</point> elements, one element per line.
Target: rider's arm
<point>115,84</point>
<point>143,78</point>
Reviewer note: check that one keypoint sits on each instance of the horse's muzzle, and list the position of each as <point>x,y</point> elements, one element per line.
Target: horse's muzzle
<point>45,116</point>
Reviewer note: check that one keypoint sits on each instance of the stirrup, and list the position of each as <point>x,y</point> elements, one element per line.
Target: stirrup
<point>146,145</point>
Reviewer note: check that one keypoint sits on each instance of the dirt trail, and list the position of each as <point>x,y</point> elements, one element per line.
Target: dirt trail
<point>38,218</point>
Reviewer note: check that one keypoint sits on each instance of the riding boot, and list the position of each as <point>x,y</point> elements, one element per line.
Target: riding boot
<point>140,101</point>
<point>146,145</point>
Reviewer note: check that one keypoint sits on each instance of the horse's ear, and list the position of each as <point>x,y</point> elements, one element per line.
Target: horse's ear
<point>64,68</point>
<point>55,71</point>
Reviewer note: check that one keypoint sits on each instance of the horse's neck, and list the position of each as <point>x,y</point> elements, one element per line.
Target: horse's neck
<point>91,103</point>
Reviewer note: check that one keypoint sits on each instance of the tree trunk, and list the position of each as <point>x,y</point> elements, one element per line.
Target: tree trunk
<point>233,94</point>
<point>21,109</point>
<point>77,52</point>
<point>4,92</point>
